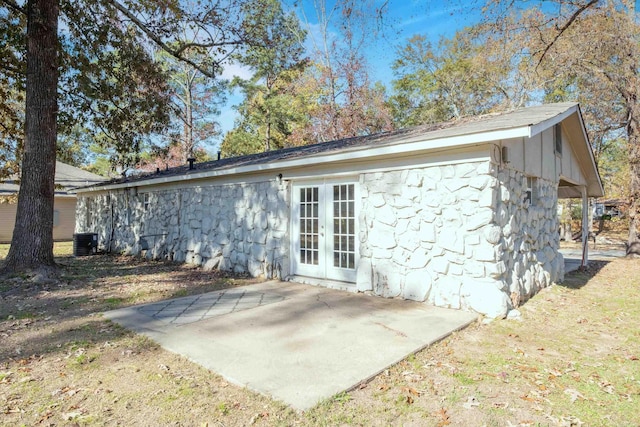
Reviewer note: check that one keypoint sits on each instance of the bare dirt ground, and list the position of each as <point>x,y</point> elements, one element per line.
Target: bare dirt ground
<point>609,235</point>
<point>571,359</point>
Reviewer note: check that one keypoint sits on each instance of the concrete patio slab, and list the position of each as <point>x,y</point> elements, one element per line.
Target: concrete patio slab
<point>296,343</point>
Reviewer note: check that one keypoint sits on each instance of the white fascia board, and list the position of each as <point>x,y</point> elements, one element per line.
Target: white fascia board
<point>546,124</point>
<point>590,151</point>
<point>355,153</point>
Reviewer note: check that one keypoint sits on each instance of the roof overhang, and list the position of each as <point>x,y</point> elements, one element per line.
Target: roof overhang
<point>584,154</point>
<point>428,142</point>
<point>398,149</point>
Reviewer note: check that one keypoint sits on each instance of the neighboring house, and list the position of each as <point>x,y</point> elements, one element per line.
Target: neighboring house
<point>610,208</point>
<point>459,214</point>
<point>67,178</point>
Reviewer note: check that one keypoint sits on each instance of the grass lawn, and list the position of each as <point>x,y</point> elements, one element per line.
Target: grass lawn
<point>571,360</point>
<point>60,249</point>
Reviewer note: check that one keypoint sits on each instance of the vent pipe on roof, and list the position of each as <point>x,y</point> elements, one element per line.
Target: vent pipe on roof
<point>219,154</point>
<point>191,161</point>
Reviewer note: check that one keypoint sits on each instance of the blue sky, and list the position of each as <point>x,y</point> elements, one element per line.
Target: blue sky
<point>408,18</point>
<point>405,18</point>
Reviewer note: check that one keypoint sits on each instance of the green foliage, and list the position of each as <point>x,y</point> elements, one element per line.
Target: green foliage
<point>614,167</point>
<point>118,92</point>
<point>112,91</point>
<point>195,101</point>
<point>12,80</point>
<point>460,77</point>
<point>238,142</point>
<point>275,57</point>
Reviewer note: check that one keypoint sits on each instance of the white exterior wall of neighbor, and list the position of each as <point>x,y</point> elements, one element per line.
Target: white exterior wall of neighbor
<point>239,227</point>
<point>64,208</point>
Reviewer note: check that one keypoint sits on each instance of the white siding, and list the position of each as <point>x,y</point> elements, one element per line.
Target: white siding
<point>536,156</point>
<point>533,156</point>
<point>7,220</point>
<point>67,209</point>
<point>63,231</point>
<point>548,164</point>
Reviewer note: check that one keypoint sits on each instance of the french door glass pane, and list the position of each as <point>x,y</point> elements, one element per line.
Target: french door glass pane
<point>343,229</point>
<point>309,225</point>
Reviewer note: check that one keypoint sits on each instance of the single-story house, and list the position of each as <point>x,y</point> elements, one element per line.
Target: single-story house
<point>67,178</point>
<point>610,208</point>
<point>460,214</point>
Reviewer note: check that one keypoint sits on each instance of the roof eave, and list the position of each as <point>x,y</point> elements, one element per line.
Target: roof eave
<point>541,126</point>
<point>354,153</point>
<point>594,182</point>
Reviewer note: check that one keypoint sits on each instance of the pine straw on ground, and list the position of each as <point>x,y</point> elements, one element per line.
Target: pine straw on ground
<point>571,360</point>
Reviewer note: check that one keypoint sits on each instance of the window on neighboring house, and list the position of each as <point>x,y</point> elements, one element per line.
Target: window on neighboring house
<point>56,218</point>
<point>557,138</point>
<point>146,199</point>
<point>530,192</point>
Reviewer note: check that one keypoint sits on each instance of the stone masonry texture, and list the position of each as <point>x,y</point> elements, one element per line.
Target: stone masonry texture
<point>233,227</point>
<point>459,236</point>
<point>463,236</point>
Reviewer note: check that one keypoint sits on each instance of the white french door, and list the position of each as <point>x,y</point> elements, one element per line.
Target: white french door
<point>325,230</point>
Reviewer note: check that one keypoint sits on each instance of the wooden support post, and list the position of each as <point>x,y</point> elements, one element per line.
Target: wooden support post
<point>585,227</point>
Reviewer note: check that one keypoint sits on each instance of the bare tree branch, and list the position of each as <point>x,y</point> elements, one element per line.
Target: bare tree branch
<point>12,69</point>
<point>11,4</point>
<point>176,53</point>
<point>566,25</point>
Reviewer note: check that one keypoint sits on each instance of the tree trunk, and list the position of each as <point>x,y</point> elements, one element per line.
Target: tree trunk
<point>32,242</point>
<point>267,135</point>
<point>633,245</point>
<point>633,135</point>
<point>188,125</point>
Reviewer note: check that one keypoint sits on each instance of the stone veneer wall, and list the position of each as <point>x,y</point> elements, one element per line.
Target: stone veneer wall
<point>233,227</point>
<point>457,236</point>
<point>530,238</point>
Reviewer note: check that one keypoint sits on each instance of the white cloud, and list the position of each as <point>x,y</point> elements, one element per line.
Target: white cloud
<point>231,70</point>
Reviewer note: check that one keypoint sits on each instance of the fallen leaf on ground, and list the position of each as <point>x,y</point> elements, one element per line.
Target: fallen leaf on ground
<point>606,386</point>
<point>574,394</point>
<point>45,417</point>
<point>411,390</point>
<point>471,402</point>
<point>525,368</point>
<point>69,416</point>
<point>444,417</point>
<point>503,376</point>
